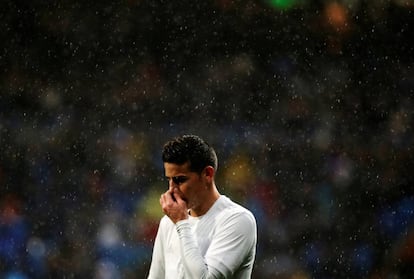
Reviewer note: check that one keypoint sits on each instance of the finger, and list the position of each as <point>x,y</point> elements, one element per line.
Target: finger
<point>177,196</point>
<point>168,197</point>
<point>164,203</point>
<point>164,199</point>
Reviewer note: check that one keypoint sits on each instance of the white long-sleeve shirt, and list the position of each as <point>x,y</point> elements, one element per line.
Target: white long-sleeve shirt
<point>219,244</point>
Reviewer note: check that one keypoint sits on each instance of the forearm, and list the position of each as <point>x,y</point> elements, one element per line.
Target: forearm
<point>194,263</point>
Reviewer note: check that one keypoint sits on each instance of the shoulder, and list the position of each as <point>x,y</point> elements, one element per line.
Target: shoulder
<point>229,206</point>
<point>228,210</point>
<point>234,224</point>
<point>166,224</point>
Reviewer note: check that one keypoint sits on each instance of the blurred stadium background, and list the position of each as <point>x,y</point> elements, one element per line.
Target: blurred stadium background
<point>308,103</point>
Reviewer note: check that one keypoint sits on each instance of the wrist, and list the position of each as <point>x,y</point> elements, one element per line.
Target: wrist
<point>182,226</point>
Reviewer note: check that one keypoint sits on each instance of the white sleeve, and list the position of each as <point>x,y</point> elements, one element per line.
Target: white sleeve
<point>228,249</point>
<point>157,269</point>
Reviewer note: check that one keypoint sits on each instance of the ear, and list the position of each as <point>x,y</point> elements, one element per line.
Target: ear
<point>209,173</point>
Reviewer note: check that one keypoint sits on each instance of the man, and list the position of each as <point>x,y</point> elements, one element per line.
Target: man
<point>203,233</point>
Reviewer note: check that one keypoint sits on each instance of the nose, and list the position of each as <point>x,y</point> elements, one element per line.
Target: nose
<point>171,184</point>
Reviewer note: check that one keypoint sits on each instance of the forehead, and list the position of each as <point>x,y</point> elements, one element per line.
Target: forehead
<point>174,169</point>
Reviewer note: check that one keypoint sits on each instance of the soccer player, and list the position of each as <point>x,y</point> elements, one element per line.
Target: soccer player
<point>203,234</point>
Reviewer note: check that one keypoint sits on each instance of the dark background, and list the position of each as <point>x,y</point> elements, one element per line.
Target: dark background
<point>309,105</point>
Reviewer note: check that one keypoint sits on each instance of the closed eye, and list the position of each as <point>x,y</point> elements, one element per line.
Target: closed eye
<point>179,179</point>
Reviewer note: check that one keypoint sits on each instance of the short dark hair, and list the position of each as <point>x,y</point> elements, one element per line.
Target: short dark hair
<point>191,149</point>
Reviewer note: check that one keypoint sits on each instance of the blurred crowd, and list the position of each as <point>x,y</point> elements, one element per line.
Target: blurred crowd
<point>309,105</point>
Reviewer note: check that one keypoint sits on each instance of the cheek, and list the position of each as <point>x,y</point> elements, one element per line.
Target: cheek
<point>186,191</point>
<point>182,189</point>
